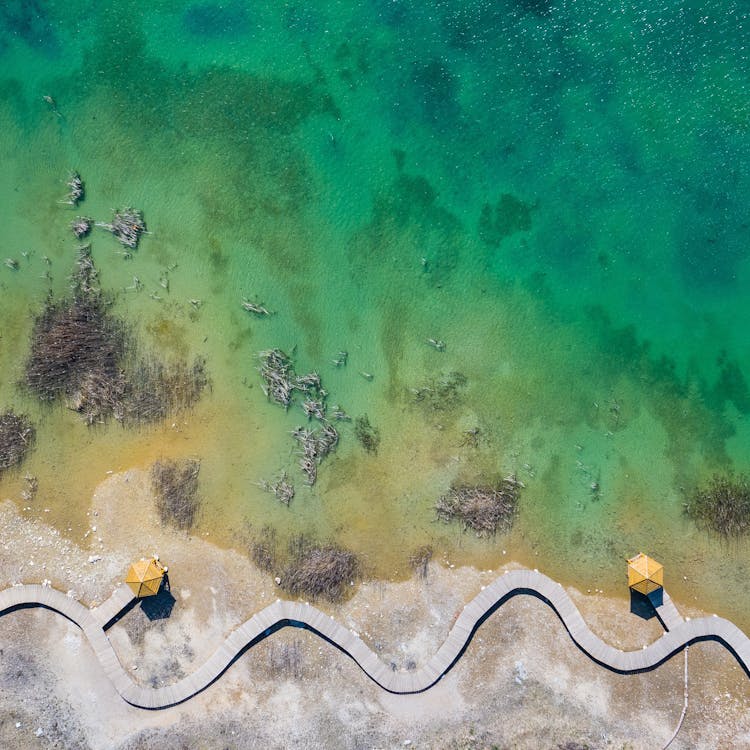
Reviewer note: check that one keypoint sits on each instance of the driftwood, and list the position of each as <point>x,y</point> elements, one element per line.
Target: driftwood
<point>76,190</point>
<point>127,226</point>
<point>282,489</point>
<point>81,226</point>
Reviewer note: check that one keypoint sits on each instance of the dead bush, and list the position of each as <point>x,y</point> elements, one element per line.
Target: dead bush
<point>316,571</point>
<point>485,509</point>
<point>17,436</point>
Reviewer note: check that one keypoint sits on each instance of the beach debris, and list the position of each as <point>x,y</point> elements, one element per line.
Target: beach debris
<point>437,344</point>
<point>367,435</point>
<point>175,485</point>
<point>366,375</point>
<point>485,508</point>
<point>254,307</point>
<point>81,226</point>
<point>340,359</point>
<point>11,263</point>
<point>76,190</point>
<point>282,489</point>
<point>127,226</point>
<point>17,436</point>
<point>196,303</point>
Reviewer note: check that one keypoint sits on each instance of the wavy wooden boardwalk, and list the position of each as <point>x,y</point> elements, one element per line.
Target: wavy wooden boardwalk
<point>680,633</point>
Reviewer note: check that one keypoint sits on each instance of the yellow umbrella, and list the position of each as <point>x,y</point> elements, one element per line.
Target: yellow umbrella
<point>645,574</point>
<point>145,576</point>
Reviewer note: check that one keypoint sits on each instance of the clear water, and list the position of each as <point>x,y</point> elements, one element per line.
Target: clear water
<point>556,189</point>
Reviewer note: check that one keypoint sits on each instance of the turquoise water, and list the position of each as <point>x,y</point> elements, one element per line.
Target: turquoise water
<point>555,189</point>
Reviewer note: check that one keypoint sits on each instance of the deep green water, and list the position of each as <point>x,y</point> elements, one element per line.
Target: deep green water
<point>558,190</point>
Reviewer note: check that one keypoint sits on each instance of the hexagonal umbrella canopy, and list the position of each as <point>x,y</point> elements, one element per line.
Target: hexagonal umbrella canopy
<point>145,577</point>
<point>645,575</point>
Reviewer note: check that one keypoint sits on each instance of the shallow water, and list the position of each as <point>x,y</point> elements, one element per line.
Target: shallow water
<point>556,192</point>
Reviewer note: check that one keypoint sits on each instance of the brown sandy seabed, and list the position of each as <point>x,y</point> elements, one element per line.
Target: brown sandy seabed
<point>522,683</point>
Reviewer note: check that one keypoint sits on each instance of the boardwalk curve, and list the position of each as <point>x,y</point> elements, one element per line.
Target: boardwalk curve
<point>93,622</point>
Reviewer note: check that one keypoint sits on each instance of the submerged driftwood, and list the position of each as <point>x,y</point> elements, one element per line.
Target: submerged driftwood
<point>127,226</point>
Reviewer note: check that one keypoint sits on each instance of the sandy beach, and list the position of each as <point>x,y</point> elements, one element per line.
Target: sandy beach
<point>522,683</point>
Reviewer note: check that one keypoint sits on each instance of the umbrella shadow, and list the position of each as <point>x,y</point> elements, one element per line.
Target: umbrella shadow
<point>644,605</point>
<point>159,606</point>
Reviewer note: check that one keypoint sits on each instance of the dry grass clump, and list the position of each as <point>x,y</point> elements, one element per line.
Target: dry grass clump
<point>175,484</point>
<point>722,506</point>
<point>17,436</point>
<point>485,509</point>
<point>319,572</point>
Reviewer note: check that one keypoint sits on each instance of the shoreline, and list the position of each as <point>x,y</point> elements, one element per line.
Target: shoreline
<point>519,652</point>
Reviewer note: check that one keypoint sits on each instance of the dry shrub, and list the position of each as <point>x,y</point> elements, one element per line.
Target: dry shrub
<point>316,571</point>
<point>175,484</point>
<point>17,436</point>
<point>722,506</point>
<point>485,509</point>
